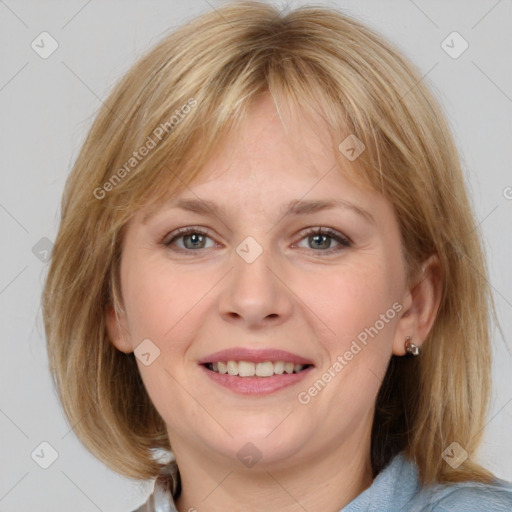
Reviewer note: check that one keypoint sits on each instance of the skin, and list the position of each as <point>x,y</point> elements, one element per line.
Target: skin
<point>295,296</point>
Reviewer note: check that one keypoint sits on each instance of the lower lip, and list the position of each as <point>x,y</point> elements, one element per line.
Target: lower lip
<point>256,385</point>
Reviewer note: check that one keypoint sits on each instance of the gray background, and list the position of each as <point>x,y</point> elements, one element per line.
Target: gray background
<point>47,106</point>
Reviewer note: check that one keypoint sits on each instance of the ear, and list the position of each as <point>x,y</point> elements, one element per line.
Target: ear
<point>421,303</point>
<point>117,330</point>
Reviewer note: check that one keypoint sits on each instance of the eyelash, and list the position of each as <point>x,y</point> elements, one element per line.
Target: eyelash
<point>331,233</point>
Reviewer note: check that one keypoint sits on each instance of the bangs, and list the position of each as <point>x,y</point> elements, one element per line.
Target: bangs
<point>182,134</point>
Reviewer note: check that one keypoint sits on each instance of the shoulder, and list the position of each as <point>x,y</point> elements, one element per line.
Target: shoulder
<point>161,499</point>
<point>398,488</point>
<point>463,497</point>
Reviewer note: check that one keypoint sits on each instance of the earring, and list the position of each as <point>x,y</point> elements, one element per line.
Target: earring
<point>411,348</point>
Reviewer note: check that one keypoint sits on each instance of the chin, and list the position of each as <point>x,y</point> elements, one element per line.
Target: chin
<point>271,442</point>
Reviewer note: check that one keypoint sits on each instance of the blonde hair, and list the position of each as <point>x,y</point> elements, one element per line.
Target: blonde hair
<point>314,60</point>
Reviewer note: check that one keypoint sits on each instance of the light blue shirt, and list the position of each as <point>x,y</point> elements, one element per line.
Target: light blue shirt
<point>396,489</point>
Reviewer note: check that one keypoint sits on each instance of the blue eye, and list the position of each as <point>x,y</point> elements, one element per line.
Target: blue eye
<point>319,239</point>
<point>194,238</point>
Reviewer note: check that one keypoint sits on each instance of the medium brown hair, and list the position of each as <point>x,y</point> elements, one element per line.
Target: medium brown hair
<point>314,60</point>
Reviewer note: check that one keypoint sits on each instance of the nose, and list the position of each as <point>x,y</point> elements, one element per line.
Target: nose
<point>255,294</point>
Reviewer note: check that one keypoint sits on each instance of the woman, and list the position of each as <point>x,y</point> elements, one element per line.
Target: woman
<point>267,270</point>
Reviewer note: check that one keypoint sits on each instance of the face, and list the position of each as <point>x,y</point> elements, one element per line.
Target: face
<point>320,292</point>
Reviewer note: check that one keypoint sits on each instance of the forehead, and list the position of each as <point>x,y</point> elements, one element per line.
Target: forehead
<point>272,145</point>
<point>274,154</point>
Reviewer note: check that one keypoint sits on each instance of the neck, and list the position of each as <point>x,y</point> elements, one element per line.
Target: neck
<point>328,481</point>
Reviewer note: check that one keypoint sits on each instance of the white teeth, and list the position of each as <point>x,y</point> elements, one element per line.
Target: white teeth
<point>246,369</point>
<point>278,367</point>
<point>249,369</point>
<point>265,369</point>
<point>232,368</point>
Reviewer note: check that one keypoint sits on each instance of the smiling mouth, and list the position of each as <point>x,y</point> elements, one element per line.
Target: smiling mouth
<point>250,369</point>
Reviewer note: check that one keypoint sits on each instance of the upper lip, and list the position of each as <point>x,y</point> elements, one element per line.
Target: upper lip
<point>254,356</point>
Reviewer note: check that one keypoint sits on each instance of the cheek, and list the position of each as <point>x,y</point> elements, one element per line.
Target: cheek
<point>164,307</point>
<point>354,299</point>
<point>357,307</point>
<point>155,300</point>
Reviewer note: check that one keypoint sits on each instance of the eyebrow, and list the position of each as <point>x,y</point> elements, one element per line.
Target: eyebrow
<point>294,208</point>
